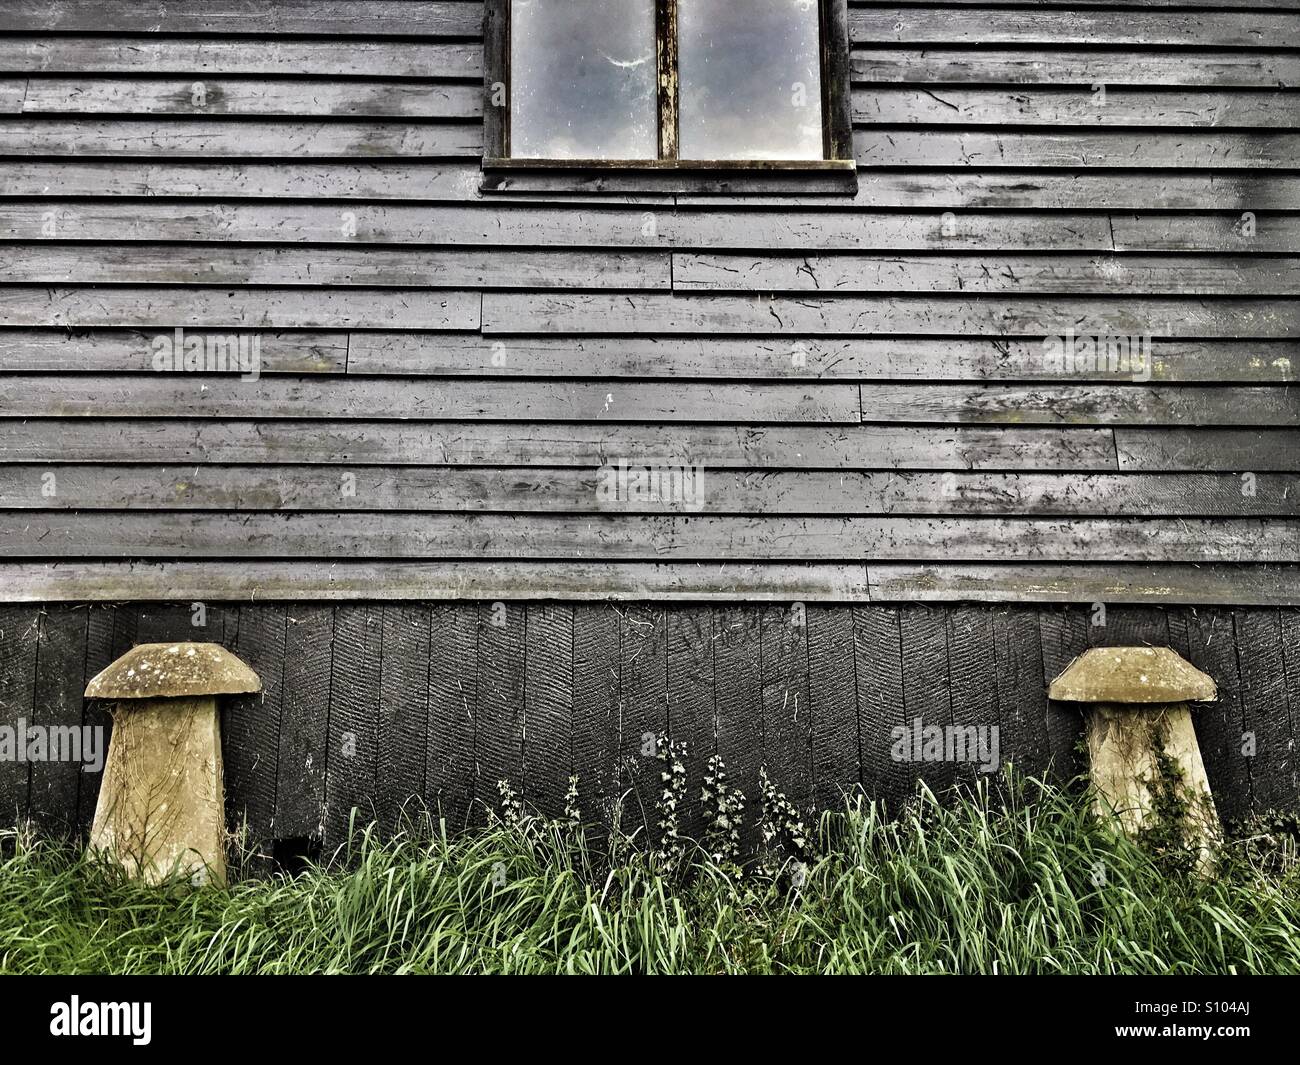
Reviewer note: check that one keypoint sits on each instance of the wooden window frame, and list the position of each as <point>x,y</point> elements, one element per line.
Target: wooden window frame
<point>837,172</point>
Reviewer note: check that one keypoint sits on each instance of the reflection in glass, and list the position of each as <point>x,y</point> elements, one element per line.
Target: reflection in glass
<point>750,79</point>
<point>582,79</point>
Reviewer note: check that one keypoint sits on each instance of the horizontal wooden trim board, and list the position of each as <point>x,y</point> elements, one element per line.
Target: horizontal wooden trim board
<point>1112,148</point>
<point>1165,585</point>
<point>642,227</point>
<point>470,354</point>
<point>851,447</point>
<point>995,25</point>
<point>565,490</point>
<point>192,58</point>
<point>293,98</point>
<point>260,308</point>
<point>1117,67</point>
<point>580,581</point>
<point>144,264</point>
<point>608,537</point>
<point>526,312</point>
<point>233,139</point>
<point>345,18</point>
<point>180,394</point>
<point>943,105</point>
<point>1179,448</point>
<point>459,182</point>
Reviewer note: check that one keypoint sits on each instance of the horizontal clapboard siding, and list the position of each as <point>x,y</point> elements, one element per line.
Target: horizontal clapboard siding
<point>444,365</point>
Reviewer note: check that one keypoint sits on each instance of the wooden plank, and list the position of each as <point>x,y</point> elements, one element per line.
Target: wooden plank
<point>1072,583</point>
<point>195,57</point>
<point>691,693</point>
<point>185,394</point>
<point>222,309</point>
<point>512,490</point>
<point>1287,774</point>
<point>60,680</point>
<point>405,18</point>
<point>1207,639</point>
<point>527,312</point>
<point>786,676</point>
<point>548,704</point>
<point>12,91</point>
<point>499,723</point>
<point>974,693</point>
<point>303,751</point>
<point>459,182</point>
<point>19,641</point>
<point>596,699</point>
<point>832,705</point>
<point>851,358</point>
<point>250,724</point>
<point>1087,275</point>
<point>843,227</point>
<point>1114,148</point>
<point>878,661</point>
<point>927,693</point>
<point>202,264</point>
<point>403,722</point>
<point>1117,67</point>
<point>1175,448</point>
<point>738,705</point>
<point>1162,109</point>
<point>266,98</point>
<point>1211,29</point>
<point>119,350</point>
<point>1065,636</point>
<point>309,535</point>
<point>554,444</point>
<point>643,717</point>
<point>1021,693</point>
<point>1132,626</point>
<point>1266,716</point>
<point>453,708</point>
<point>1083,405</point>
<point>352,764</point>
<point>228,138</point>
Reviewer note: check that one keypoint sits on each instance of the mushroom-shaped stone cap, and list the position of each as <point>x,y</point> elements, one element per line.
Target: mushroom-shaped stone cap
<point>1132,675</point>
<point>169,670</point>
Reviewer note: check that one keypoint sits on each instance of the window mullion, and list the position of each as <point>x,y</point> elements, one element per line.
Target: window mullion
<point>666,47</point>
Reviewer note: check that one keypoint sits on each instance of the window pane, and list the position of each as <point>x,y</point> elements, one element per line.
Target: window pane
<point>582,79</point>
<point>750,79</point>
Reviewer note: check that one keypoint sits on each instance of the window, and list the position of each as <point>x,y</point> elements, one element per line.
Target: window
<point>668,84</point>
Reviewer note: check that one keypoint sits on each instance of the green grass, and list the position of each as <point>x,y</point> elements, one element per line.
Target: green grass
<point>1035,887</point>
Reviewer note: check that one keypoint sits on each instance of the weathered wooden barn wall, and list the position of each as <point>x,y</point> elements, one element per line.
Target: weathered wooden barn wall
<point>373,705</point>
<point>862,378</point>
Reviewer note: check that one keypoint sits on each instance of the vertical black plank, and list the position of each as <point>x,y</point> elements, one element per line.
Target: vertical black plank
<point>1065,635</point>
<point>353,760</point>
<point>596,708</point>
<point>787,720</point>
<point>548,704</point>
<point>403,711</point>
<point>832,704</point>
<point>691,702</point>
<point>100,627</point>
<point>1266,716</point>
<point>499,733</point>
<point>927,692</point>
<point>878,659</point>
<point>173,623</point>
<point>974,693</point>
<point>643,720</point>
<point>453,707</point>
<point>250,724</point>
<point>1289,771</point>
<point>1131,626</point>
<point>1207,639</point>
<point>303,758</point>
<point>19,636</point>
<point>60,680</point>
<point>738,699</point>
<point>1022,692</point>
